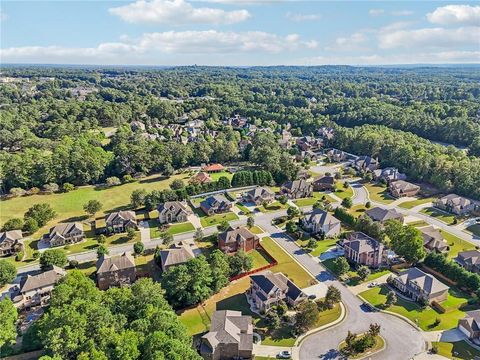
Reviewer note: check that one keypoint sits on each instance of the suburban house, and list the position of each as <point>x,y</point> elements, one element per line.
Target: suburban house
<point>259,195</point>
<point>456,204</point>
<point>433,239</point>
<point>237,122</point>
<point>213,168</point>
<point>420,286</point>
<point>230,336</point>
<point>335,155</point>
<point>470,325</point>
<point>324,183</point>
<point>201,178</point>
<point>362,249</point>
<point>240,238</point>
<point>320,221</point>
<point>120,221</point>
<point>173,211</point>
<point>308,143</point>
<point>388,174</point>
<point>297,189</point>
<point>115,271</point>
<point>267,289</point>
<point>402,188</point>
<point>36,289</point>
<point>470,260</point>
<point>177,254</point>
<point>63,234</point>
<point>366,163</point>
<point>11,242</point>
<point>215,204</point>
<point>306,154</point>
<point>381,215</point>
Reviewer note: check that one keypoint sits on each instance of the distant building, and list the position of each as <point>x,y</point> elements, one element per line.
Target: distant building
<point>402,188</point>
<point>240,238</point>
<point>362,249</point>
<point>65,233</point>
<point>177,254</point>
<point>470,260</point>
<point>433,240</point>
<point>297,189</point>
<point>115,271</point>
<point>324,183</point>
<point>215,204</point>
<point>335,155</point>
<point>420,286</point>
<point>470,325</point>
<point>11,242</point>
<point>201,178</point>
<point>267,289</point>
<point>259,195</point>
<point>213,168</point>
<point>173,211</point>
<point>388,174</point>
<point>120,221</point>
<point>137,126</point>
<point>36,290</point>
<point>382,215</point>
<point>319,221</point>
<point>230,336</point>
<point>366,163</point>
<point>457,205</point>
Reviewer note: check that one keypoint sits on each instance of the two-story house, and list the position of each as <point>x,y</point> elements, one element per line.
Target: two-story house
<point>297,189</point>
<point>120,221</point>
<point>240,238</point>
<point>318,221</point>
<point>11,242</point>
<point>173,211</point>
<point>362,249</point>
<point>259,195</point>
<point>324,183</point>
<point>470,325</point>
<point>388,175</point>
<point>457,205</point>
<point>65,233</point>
<point>470,260</point>
<point>420,286</point>
<point>267,289</point>
<point>216,204</point>
<point>402,188</point>
<point>115,271</point>
<point>366,163</point>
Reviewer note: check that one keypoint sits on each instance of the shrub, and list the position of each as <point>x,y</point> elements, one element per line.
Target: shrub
<point>12,224</point>
<point>16,191</point>
<point>33,191</point>
<point>19,256</point>
<point>51,188</point>
<point>138,247</point>
<point>73,264</point>
<point>113,181</point>
<point>67,187</point>
<point>128,178</point>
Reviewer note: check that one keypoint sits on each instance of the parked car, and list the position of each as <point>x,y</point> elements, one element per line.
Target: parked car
<point>284,354</point>
<point>312,297</point>
<point>372,284</point>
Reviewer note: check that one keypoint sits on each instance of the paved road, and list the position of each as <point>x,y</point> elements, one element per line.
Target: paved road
<point>403,341</point>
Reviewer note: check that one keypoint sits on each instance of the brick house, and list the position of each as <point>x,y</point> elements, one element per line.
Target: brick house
<point>402,188</point>
<point>240,238</point>
<point>173,211</point>
<point>362,249</point>
<point>115,271</point>
<point>420,286</point>
<point>324,183</point>
<point>297,189</point>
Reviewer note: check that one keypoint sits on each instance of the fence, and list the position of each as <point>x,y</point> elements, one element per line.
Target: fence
<point>272,264</point>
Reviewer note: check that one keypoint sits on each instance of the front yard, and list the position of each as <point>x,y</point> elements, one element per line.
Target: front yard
<point>413,203</point>
<point>312,200</point>
<point>460,350</point>
<point>424,318</point>
<point>379,193</point>
<point>274,206</point>
<point>173,229</point>
<point>439,215</point>
<point>456,244</point>
<point>321,247</point>
<point>341,192</point>
<point>216,219</point>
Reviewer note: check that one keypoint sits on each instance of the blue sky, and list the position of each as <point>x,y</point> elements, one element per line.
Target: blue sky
<point>239,32</point>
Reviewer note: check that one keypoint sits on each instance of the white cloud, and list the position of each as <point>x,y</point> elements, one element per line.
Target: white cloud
<point>155,47</point>
<point>430,38</point>
<point>376,12</point>
<point>176,12</point>
<point>402,13</point>
<point>455,14</point>
<point>302,17</point>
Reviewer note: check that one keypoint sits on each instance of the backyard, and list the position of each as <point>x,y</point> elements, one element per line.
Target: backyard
<point>424,318</point>
<point>456,244</point>
<point>379,193</point>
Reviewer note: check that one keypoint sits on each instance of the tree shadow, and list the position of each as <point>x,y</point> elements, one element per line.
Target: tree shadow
<point>153,179</point>
<point>75,219</point>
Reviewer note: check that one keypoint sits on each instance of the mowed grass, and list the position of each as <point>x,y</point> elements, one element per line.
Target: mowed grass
<point>413,203</point>
<point>286,264</point>
<point>216,219</point>
<point>320,248</point>
<point>379,193</point>
<point>176,228</point>
<point>216,176</point>
<point>341,192</point>
<point>456,350</point>
<point>425,318</point>
<point>274,206</point>
<point>456,244</point>
<point>439,215</point>
<point>312,200</point>
<point>256,230</point>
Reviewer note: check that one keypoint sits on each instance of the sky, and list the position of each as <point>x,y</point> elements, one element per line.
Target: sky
<point>239,32</point>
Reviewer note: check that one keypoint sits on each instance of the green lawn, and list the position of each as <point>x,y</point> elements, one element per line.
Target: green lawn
<point>413,203</point>
<point>256,230</point>
<point>474,229</point>
<point>341,192</point>
<point>243,208</point>
<point>457,350</point>
<point>91,243</point>
<point>260,258</point>
<point>312,200</point>
<point>379,193</point>
<point>456,244</point>
<point>286,264</point>
<point>355,279</point>
<point>379,344</point>
<point>322,246</point>
<point>439,215</point>
<point>418,223</point>
<point>216,176</point>
<point>176,228</point>
<point>213,220</point>
<point>274,206</point>
<point>357,210</point>
<point>423,317</point>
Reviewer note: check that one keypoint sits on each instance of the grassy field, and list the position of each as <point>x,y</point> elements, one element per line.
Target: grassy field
<point>456,244</point>
<point>312,200</point>
<point>341,192</point>
<point>379,194</point>
<point>286,264</point>
<point>216,219</point>
<point>457,350</point>
<point>474,229</point>
<point>274,206</point>
<point>439,215</point>
<point>425,318</point>
<point>256,230</point>
<point>216,176</point>
<point>322,246</point>
<point>260,258</point>
<point>413,203</point>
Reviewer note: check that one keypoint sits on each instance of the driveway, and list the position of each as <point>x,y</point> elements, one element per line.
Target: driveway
<point>360,193</point>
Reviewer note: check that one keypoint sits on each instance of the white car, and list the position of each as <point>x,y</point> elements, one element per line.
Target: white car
<point>284,354</point>
<point>372,284</point>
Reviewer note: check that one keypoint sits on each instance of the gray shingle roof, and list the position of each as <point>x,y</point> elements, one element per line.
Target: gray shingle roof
<point>380,214</point>
<point>66,228</point>
<point>176,254</point>
<point>126,215</point>
<point>321,217</point>
<point>42,280</point>
<point>235,235</point>
<point>426,282</point>
<point>114,263</point>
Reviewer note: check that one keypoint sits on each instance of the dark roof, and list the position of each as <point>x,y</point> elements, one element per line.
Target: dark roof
<point>360,242</point>
<point>330,180</point>
<point>108,264</point>
<point>380,214</point>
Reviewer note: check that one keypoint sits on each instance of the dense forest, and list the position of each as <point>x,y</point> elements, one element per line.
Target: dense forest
<point>76,125</point>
